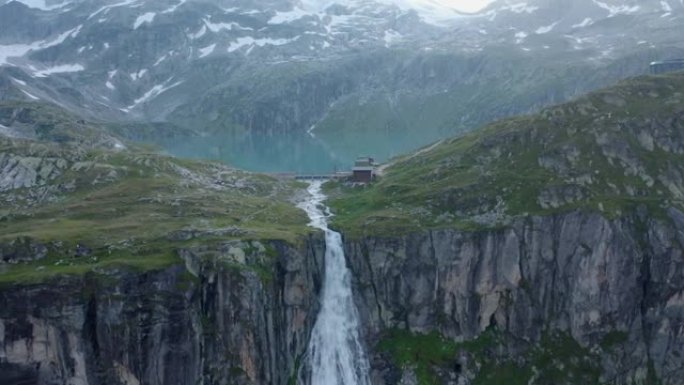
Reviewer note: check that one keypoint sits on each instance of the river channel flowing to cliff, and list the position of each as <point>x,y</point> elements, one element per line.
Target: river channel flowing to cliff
<point>336,354</point>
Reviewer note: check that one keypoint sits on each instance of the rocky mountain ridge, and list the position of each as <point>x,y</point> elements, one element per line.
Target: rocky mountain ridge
<point>334,70</point>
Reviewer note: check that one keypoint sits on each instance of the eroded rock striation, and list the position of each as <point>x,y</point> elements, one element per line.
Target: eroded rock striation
<point>211,321</point>
<point>581,274</point>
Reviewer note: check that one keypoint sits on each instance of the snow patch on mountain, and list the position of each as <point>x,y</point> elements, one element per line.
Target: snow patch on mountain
<point>614,10</point>
<point>15,50</point>
<point>147,17</point>
<point>135,76</point>
<point>42,4</point>
<point>20,82</point>
<point>9,132</point>
<point>250,41</point>
<point>217,27</point>
<point>110,76</point>
<point>61,38</point>
<point>59,69</point>
<point>199,33</point>
<point>106,8</point>
<point>153,93</point>
<point>436,12</point>
<point>583,23</point>
<point>206,51</point>
<point>520,37</point>
<point>160,60</point>
<point>173,8</point>
<point>520,8</point>
<point>392,37</point>
<point>30,95</point>
<point>290,16</point>
<point>19,50</point>
<point>545,29</point>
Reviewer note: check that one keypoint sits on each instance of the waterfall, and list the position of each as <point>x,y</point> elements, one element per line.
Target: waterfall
<point>336,354</point>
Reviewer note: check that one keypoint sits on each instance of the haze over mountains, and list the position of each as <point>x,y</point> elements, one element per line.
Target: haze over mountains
<point>323,75</point>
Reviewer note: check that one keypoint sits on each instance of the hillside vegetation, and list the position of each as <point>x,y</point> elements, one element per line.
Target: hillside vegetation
<point>75,199</point>
<point>613,151</point>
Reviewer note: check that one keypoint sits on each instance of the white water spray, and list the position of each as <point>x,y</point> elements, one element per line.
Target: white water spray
<point>335,351</point>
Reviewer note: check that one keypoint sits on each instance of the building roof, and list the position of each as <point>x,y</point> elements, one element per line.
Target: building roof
<point>364,161</point>
<point>363,168</point>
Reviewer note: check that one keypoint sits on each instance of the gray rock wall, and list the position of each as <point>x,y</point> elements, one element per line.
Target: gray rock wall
<point>212,321</point>
<point>578,273</point>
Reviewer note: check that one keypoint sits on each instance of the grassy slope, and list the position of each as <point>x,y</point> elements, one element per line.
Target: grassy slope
<point>610,150</point>
<point>129,206</point>
<point>556,359</point>
<point>49,123</point>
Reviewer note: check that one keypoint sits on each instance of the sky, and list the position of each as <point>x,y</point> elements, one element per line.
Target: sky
<point>465,5</point>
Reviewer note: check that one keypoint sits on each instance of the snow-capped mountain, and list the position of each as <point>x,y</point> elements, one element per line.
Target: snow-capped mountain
<point>571,15</point>
<point>137,48</point>
<point>293,65</point>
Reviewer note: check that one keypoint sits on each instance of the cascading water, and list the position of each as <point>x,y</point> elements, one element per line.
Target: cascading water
<point>335,351</point>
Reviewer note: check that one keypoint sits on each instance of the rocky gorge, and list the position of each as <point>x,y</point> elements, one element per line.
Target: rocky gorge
<point>612,288</point>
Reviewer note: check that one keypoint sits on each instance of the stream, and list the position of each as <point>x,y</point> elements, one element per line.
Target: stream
<point>336,354</point>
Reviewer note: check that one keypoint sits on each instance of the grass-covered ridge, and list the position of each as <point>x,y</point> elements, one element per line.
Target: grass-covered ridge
<point>556,358</point>
<point>609,151</point>
<point>84,208</point>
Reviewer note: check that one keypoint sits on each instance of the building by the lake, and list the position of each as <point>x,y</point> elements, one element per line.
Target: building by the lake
<point>364,169</point>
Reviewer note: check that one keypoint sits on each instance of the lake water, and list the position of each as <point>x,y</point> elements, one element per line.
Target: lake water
<point>297,153</point>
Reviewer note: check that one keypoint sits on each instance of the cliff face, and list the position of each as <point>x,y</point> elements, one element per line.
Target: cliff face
<point>613,288</point>
<point>212,321</point>
<point>563,259</point>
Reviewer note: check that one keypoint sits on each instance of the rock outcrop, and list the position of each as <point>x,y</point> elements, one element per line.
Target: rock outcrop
<point>615,286</point>
<point>212,321</point>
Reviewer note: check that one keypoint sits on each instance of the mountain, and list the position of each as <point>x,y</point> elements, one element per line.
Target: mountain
<point>536,250</point>
<point>611,151</point>
<point>539,249</point>
<point>66,180</point>
<point>244,72</point>
<point>88,218</point>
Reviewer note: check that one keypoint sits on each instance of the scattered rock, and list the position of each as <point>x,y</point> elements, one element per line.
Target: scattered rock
<point>22,249</point>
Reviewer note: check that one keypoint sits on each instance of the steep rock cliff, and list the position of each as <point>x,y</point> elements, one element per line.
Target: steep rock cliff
<point>212,321</point>
<point>614,286</point>
<point>545,249</point>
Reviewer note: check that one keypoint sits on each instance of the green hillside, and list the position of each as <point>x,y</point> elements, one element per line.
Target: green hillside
<point>611,151</point>
<point>70,208</point>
